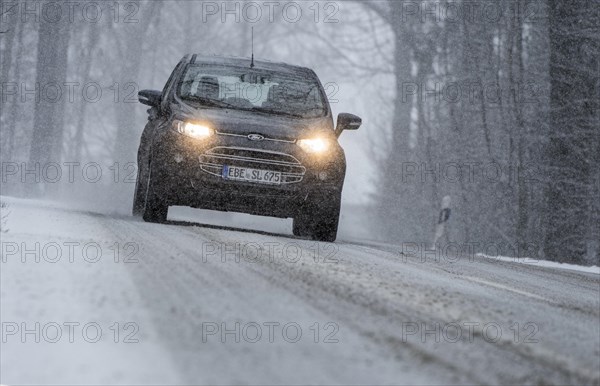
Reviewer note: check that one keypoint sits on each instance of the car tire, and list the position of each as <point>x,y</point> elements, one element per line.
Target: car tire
<point>302,225</point>
<point>318,222</point>
<point>155,206</point>
<point>326,226</point>
<point>139,195</point>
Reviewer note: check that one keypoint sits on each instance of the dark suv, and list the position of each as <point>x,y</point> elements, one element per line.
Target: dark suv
<point>231,134</point>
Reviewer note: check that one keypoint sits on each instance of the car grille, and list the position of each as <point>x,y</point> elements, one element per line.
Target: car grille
<point>213,160</point>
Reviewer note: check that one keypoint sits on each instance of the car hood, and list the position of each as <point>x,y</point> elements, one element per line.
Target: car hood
<point>241,122</point>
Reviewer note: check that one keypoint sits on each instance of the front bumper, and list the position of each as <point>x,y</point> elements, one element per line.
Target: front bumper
<point>187,172</point>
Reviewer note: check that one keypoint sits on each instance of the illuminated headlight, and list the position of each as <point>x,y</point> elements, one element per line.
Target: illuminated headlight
<point>194,130</point>
<point>315,145</point>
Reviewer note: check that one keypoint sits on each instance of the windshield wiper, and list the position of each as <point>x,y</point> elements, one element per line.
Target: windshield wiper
<point>276,112</point>
<point>206,101</point>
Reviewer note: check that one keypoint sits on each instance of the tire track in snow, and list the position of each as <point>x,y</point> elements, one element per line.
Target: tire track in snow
<point>370,290</point>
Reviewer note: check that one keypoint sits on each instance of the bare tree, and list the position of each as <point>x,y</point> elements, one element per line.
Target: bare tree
<point>572,152</point>
<point>51,72</point>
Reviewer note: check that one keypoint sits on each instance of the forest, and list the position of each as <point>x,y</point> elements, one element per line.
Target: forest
<point>493,103</point>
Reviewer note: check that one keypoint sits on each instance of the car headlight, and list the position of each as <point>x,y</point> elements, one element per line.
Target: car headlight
<point>194,130</point>
<point>315,145</point>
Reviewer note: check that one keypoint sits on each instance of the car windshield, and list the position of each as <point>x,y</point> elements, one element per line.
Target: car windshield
<point>253,90</point>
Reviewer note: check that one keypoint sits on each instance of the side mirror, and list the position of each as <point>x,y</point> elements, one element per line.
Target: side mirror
<point>347,121</point>
<point>150,97</point>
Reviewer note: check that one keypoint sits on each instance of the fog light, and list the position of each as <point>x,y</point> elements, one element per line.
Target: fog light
<point>323,176</point>
<point>178,158</point>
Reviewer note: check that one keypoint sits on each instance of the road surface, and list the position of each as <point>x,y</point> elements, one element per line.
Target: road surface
<point>88,298</point>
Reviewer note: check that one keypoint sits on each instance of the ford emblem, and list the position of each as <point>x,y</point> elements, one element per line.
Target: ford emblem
<point>255,137</point>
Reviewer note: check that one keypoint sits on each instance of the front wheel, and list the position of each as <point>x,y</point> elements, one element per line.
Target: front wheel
<point>155,208</point>
<point>318,222</point>
<point>302,225</point>
<point>139,196</point>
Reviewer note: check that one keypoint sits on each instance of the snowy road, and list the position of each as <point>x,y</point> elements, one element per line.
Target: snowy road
<point>202,305</point>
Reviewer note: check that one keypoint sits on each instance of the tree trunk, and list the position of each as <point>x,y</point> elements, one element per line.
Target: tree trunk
<point>522,137</point>
<point>77,145</point>
<point>51,76</point>
<point>15,111</point>
<point>574,54</point>
<point>8,29</point>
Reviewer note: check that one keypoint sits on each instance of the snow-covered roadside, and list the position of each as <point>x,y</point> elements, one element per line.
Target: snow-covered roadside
<point>544,263</point>
<point>524,260</point>
<point>66,304</point>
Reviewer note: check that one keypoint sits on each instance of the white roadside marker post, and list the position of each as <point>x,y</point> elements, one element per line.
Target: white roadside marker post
<point>442,220</point>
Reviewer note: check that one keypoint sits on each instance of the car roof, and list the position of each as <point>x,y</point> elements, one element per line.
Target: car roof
<point>245,62</point>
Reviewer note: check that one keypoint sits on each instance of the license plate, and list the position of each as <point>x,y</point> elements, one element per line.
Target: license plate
<point>251,175</point>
